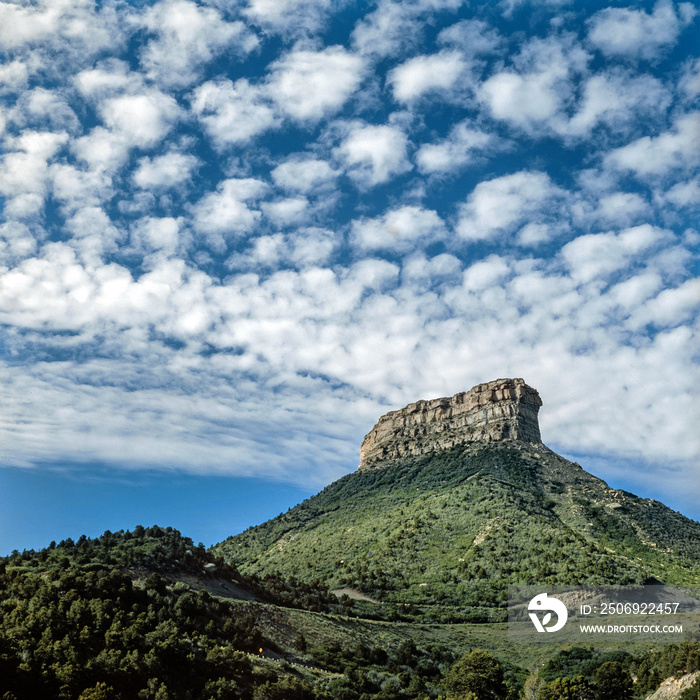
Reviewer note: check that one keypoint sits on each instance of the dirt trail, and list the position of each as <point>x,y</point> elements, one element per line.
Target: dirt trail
<point>354,594</point>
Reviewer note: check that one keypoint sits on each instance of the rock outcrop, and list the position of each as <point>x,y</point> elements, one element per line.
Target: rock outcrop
<point>504,409</point>
<point>673,688</point>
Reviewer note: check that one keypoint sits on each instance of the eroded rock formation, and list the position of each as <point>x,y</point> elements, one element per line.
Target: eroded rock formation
<point>504,409</point>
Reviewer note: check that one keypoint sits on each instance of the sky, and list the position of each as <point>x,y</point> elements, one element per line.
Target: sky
<point>234,234</point>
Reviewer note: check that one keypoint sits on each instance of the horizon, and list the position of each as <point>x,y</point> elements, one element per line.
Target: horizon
<point>234,235</point>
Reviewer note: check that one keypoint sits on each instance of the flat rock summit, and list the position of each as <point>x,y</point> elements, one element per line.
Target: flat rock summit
<point>504,409</point>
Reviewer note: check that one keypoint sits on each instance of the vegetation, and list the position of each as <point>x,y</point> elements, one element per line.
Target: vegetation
<point>480,674</point>
<point>73,624</point>
<point>113,618</point>
<point>450,531</point>
<point>146,614</point>
<point>582,673</point>
<point>156,549</point>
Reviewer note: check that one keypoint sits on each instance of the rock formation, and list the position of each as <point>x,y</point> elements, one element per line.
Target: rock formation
<point>504,409</point>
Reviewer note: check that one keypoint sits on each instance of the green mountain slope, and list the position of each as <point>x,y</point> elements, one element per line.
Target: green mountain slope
<point>147,614</point>
<point>454,527</point>
<point>114,618</point>
<point>128,615</point>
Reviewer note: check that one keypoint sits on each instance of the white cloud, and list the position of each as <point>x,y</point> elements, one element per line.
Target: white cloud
<point>675,261</point>
<point>287,211</point>
<point>16,243</point>
<point>463,145</point>
<point>428,6</point>
<point>400,230</point>
<point>157,234</point>
<point>423,74</point>
<point>690,80</point>
<point>94,235</point>
<point>71,25</point>
<point>616,99</point>
<point>24,171</point>
<point>522,99</point>
<point>396,26</point>
<point>671,307</point>
<point>486,273</point>
<point>684,194</point>
<point>535,93</point>
<point>655,156</point>
<point>420,271</point>
<point>154,425</point>
<point>499,206</point>
<point>76,188</point>
<point>634,291</point>
<point>472,37</point>
<point>110,78</point>
<point>308,85</point>
<point>134,115</point>
<point>189,36</point>
<point>541,95</point>
<point>510,5</point>
<point>304,174</point>
<point>225,213</point>
<point>233,112</point>
<point>167,170</point>
<point>102,149</point>
<point>621,208</point>
<point>264,251</point>
<point>374,154</point>
<point>635,33</point>
<point>597,255</point>
<point>289,16</point>
<point>305,247</point>
<point>311,246</point>
<point>43,108</point>
<point>13,76</point>
<point>534,234</point>
<point>142,119</point>
<point>384,32</point>
<point>42,290</point>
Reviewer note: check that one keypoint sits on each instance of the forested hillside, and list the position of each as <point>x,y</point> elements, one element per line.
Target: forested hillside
<point>451,530</point>
<point>128,616</point>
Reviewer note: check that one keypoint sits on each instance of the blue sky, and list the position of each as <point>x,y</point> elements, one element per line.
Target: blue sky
<point>233,235</point>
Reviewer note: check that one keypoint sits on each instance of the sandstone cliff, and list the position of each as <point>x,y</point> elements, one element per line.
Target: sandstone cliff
<point>504,409</point>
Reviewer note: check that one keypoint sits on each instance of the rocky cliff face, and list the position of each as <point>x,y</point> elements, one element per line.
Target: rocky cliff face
<point>504,409</point>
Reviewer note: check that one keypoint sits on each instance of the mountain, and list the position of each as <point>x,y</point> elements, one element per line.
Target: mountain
<point>146,614</point>
<point>453,499</point>
<point>457,497</point>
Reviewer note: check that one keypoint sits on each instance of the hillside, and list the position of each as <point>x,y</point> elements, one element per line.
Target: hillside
<point>147,614</point>
<point>457,497</point>
<point>454,527</point>
<point>115,617</point>
<point>128,615</point>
